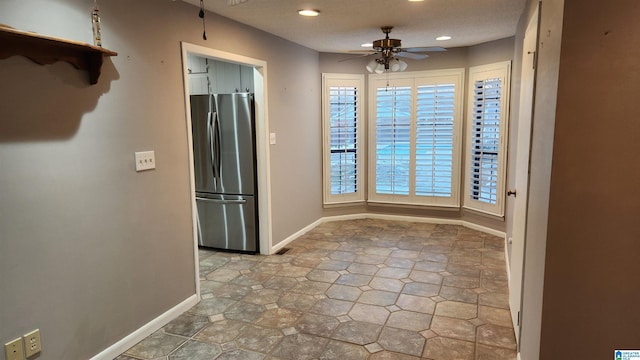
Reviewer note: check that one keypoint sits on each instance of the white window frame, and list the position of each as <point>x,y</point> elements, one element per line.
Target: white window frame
<point>415,79</point>
<point>501,70</point>
<point>343,80</point>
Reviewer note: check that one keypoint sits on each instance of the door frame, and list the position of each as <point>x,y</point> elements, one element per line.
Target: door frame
<point>523,159</point>
<point>262,142</point>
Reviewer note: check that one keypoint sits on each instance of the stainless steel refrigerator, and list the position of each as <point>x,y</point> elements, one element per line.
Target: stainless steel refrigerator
<point>223,129</point>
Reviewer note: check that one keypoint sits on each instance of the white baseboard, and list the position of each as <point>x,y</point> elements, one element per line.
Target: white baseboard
<point>275,248</point>
<point>467,224</point>
<point>306,229</point>
<point>483,229</point>
<point>149,328</point>
<point>506,260</point>
<point>309,227</point>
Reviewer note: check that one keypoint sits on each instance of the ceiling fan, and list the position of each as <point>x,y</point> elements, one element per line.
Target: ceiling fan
<point>390,50</point>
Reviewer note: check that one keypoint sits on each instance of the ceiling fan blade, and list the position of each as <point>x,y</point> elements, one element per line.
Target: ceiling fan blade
<point>356,57</point>
<point>424,49</point>
<point>412,55</point>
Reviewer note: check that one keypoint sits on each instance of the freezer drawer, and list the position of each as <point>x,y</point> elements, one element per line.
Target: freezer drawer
<point>227,222</point>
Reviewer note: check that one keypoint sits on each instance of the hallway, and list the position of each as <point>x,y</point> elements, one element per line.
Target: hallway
<point>356,289</point>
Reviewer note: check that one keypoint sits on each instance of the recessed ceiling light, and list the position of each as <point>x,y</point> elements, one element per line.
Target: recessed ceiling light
<point>443,37</point>
<point>367,45</point>
<point>309,12</point>
<point>415,0</point>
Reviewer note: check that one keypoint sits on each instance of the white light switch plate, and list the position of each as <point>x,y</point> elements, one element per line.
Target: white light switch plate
<point>145,160</point>
<point>272,138</point>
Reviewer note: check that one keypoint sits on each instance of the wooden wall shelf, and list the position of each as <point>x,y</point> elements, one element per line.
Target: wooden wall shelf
<point>43,49</point>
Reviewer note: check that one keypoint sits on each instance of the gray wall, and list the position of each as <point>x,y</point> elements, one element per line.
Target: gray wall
<point>90,250</point>
<point>465,57</point>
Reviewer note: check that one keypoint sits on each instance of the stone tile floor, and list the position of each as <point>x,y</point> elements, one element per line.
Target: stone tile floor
<point>357,289</point>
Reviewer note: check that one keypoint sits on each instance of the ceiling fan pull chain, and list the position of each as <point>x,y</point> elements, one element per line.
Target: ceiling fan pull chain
<point>204,31</point>
<point>201,15</point>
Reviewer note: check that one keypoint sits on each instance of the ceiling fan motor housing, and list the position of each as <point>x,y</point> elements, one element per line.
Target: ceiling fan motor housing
<point>384,44</point>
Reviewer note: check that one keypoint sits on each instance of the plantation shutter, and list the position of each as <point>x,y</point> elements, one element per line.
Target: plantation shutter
<point>344,118</point>
<point>486,140</point>
<point>435,140</point>
<point>393,140</point>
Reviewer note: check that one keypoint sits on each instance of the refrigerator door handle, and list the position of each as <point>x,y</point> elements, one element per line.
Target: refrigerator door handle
<point>216,151</point>
<point>219,201</point>
<point>211,130</point>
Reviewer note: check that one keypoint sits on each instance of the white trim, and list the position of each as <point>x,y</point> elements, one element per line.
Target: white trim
<point>466,224</point>
<point>483,229</point>
<point>429,220</point>
<point>262,141</point>
<point>277,247</point>
<point>405,205</point>
<point>344,204</point>
<point>483,212</point>
<point>345,217</point>
<point>518,357</point>
<point>192,189</point>
<point>506,260</point>
<point>149,328</point>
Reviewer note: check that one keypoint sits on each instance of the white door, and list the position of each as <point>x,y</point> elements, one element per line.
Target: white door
<point>522,171</point>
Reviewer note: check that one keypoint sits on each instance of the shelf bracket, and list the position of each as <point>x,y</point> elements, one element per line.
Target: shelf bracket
<point>45,50</point>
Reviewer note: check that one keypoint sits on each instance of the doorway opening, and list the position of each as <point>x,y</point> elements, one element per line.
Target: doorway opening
<point>256,71</point>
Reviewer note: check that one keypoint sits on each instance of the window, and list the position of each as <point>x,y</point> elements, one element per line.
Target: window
<point>486,137</point>
<point>342,119</point>
<point>414,135</point>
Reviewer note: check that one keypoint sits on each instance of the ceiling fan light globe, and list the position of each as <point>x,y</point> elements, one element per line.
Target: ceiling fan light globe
<point>402,65</point>
<point>394,65</point>
<point>372,65</point>
<point>379,69</point>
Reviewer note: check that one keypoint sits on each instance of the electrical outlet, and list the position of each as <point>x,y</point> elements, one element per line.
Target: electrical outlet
<point>32,344</point>
<point>145,160</point>
<point>13,350</point>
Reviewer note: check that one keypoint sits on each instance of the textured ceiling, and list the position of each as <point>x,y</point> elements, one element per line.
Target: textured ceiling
<point>345,24</point>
